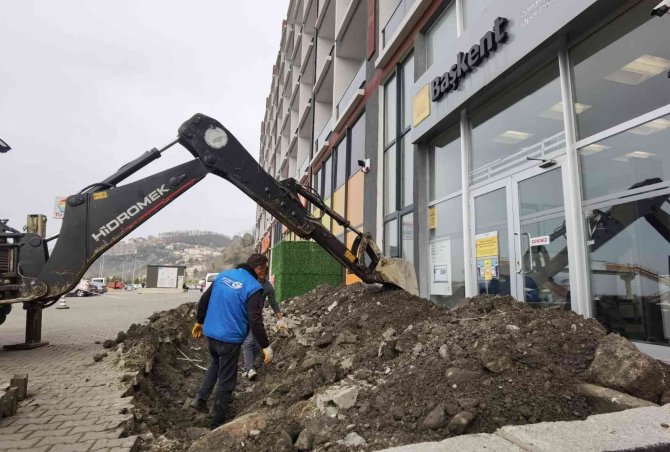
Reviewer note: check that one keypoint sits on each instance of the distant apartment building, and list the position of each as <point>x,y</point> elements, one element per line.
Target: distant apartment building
<point>515,147</point>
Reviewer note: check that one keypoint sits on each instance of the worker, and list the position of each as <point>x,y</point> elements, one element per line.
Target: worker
<point>251,347</point>
<point>228,309</point>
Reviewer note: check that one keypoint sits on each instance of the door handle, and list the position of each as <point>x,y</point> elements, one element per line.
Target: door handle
<point>530,251</point>
<point>519,262</point>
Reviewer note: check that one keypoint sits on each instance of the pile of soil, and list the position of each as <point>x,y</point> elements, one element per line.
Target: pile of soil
<point>372,367</point>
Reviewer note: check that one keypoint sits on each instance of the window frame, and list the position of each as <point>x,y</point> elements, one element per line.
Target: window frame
<point>401,131</point>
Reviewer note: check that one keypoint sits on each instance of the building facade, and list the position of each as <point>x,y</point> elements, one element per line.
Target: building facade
<point>513,147</point>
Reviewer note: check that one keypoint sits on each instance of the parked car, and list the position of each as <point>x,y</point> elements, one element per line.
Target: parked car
<point>116,285</point>
<point>97,287</point>
<point>209,279</point>
<point>83,289</point>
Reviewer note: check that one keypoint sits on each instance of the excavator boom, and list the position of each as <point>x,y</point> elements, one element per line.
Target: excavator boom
<point>104,213</point>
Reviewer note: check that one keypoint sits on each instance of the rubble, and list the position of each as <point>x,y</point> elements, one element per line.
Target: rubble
<point>367,367</point>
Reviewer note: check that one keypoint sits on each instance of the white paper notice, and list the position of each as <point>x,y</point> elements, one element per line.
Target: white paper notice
<point>440,267</point>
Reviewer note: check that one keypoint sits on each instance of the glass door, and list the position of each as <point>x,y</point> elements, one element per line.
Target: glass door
<point>491,209</point>
<point>540,233</point>
<point>520,237</point>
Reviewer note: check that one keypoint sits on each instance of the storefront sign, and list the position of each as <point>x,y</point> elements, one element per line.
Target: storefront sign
<point>541,240</point>
<point>420,106</point>
<point>440,267</point>
<point>467,61</point>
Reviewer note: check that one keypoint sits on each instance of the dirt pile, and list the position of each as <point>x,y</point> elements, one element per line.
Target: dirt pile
<point>363,367</point>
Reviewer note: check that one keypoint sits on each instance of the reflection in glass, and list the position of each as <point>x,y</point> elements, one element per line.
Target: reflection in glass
<point>444,166</point>
<point>357,145</point>
<point>541,193</point>
<point>443,30</point>
<point>407,174</point>
<point>630,267</point>
<point>390,105</point>
<point>527,121</point>
<point>446,266</point>
<point>636,157</point>
<point>620,71</point>
<point>491,217</point>
<point>408,83</point>
<point>391,239</point>
<point>390,180</point>
<point>408,237</point>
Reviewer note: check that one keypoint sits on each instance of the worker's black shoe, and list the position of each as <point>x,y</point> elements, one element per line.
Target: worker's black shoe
<point>199,405</point>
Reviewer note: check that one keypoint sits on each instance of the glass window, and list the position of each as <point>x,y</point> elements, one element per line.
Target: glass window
<point>317,182</point>
<point>443,30</point>
<point>444,165</point>
<point>636,157</point>
<point>390,105</point>
<point>630,268</point>
<point>527,121</point>
<point>472,10</point>
<point>391,239</point>
<point>493,272</point>
<point>408,237</point>
<point>620,71</point>
<point>407,84</point>
<point>447,269</point>
<point>341,167</point>
<point>541,193</point>
<point>328,177</point>
<point>390,180</point>
<point>357,145</point>
<point>407,175</point>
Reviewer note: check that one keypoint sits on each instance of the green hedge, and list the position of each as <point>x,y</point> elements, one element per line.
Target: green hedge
<point>301,266</point>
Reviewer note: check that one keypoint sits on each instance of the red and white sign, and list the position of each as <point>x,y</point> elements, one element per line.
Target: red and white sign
<point>541,240</point>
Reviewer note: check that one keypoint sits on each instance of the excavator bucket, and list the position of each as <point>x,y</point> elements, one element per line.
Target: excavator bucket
<point>398,272</point>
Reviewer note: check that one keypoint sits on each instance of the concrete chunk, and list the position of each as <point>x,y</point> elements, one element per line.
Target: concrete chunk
<point>605,400</point>
<point>20,382</point>
<point>9,400</point>
<point>481,442</point>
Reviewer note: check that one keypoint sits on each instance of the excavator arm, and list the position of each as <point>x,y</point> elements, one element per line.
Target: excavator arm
<point>104,213</point>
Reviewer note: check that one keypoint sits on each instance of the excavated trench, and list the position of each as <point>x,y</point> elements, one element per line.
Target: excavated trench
<point>367,367</point>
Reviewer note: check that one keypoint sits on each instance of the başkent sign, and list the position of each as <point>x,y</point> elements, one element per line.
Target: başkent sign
<point>466,61</point>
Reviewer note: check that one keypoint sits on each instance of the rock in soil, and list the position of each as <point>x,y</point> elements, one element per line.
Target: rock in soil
<point>472,373</point>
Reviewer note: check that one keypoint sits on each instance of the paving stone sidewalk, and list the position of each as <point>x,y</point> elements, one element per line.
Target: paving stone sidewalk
<point>73,403</point>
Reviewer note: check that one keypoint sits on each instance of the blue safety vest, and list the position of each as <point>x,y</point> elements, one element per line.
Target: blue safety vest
<point>226,318</point>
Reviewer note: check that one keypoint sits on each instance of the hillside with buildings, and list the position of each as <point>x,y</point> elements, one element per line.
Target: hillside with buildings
<point>201,252</point>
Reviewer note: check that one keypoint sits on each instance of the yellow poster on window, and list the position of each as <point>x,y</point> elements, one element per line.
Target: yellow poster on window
<point>432,218</point>
<point>486,244</point>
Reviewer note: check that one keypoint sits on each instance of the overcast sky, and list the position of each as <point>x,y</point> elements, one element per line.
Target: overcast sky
<point>86,86</point>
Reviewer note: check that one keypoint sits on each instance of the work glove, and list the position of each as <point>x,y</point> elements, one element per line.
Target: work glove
<point>281,325</point>
<point>196,332</point>
<point>267,355</point>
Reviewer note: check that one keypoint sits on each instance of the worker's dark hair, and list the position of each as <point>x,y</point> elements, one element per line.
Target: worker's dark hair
<point>248,268</point>
<point>256,260</point>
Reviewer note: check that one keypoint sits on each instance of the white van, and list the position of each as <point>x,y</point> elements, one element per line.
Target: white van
<point>209,279</point>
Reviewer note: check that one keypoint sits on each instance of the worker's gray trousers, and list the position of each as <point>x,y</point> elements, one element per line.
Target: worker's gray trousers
<point>223,373</point>
<point>250,349</point>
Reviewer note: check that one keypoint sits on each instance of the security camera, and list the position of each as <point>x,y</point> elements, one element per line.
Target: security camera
<point>365,165</point>
<point>661,8</point>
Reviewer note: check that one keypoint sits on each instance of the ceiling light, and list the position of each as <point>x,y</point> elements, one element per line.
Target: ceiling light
<point>650,127</point>
<point>639,70</point>
<point>593,149</point>
<point>635,155</point>
<point>512,137</point>
<point>556,112</point>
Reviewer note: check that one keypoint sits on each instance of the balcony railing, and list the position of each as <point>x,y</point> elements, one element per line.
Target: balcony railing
<point>395,20</point>
<point>323,136</point>
<point>541,150</point>
<point>357,83</point>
